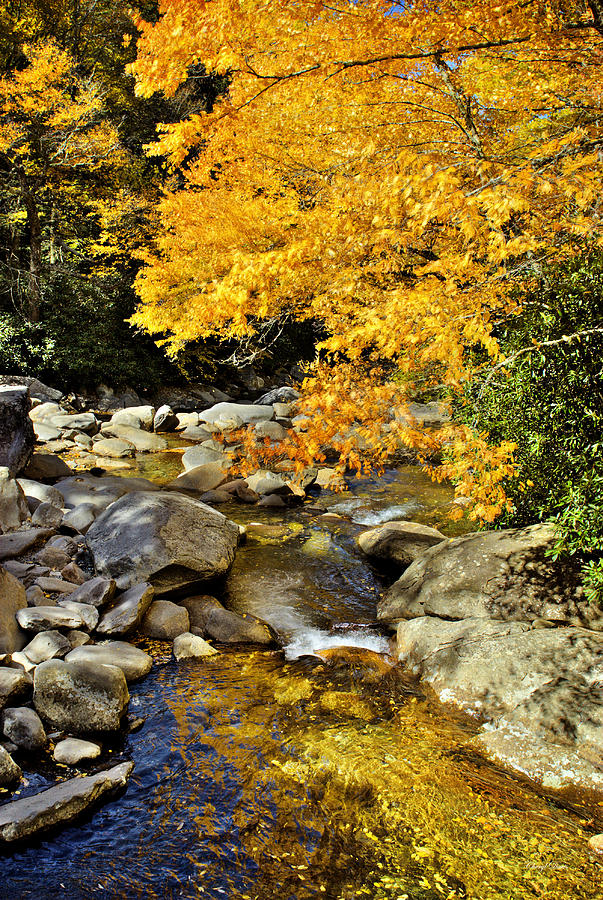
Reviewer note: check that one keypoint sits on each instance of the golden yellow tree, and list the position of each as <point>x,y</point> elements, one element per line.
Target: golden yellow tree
<point>386,168</point>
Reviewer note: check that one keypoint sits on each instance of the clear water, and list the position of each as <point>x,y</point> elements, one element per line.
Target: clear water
<point>317,772</point>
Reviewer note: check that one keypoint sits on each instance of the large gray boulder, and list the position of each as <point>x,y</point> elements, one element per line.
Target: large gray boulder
<point>12,598</point>
<point>142,415</point>
<point>80,697</point>
<point>164,537</point>
<point>16,428</point>
<point>99,492</point>
<point>59,804</point>
<point>539,691</point>
<point>133,661</point>
<point>399,543</point>
<point>502,575</point>
<point>283,394</point>
<point>46,467</point>
<point>37,389</point>
<point>249,414</point>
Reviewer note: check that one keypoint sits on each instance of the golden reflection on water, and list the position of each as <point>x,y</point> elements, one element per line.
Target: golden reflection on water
<point>345,789</point>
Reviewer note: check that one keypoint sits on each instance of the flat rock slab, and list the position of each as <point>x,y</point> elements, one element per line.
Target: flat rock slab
<point>248,413</point>
<point>97,592</point>
<point>47,645</point>
<point>56,585</point>
<point>133,662</point>
<point>99,492</point>
<point>59,804</point>
<point>12,545</point>
<point>46,618</point>
<point>114,448</point>
<point>164,537</point>
<point>399,543</point>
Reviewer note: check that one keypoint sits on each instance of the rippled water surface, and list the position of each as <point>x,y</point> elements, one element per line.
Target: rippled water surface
<point>289,776</point>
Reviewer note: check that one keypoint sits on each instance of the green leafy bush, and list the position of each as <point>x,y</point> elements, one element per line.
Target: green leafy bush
<point>549,399</point>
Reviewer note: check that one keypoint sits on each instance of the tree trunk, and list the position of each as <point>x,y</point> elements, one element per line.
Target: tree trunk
<point>34,285</point>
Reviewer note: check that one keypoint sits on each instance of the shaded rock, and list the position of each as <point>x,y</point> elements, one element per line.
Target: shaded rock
<point>15,544</point>
<point>80,697</point>
<point>196,457</point>
<point>271,430</point>
<point>142,415</point>
<point>37,389</point>
<point>200,479</point>
<point>128,610</point>
<point>208,615</point>
<point>24,728</point>
<point>72,572</point>
<point>59,804</point>
<point>12,599</point>
<point>56,585</point>
<point>399,543</point>
<point>214,498</point>
<point>164,621</point>
<point>191,646</point>
<point>167,537</point>
<point>283,394</point>
<point>65,543</point>
<point>87,613</point>
<point>37,597</point>
<point>133,662</point>
<point>47,645</point>
<point>13,505</point>
<point>25,572</point>
<point>142,441</point>
<point>10,772</point>
<point>99,492</point>
<point>46,466</point>
<point>114,448</point>
<point>498,574</point>
<point>53,557</point>
<point>71,751</point>
<point>165,419</point>
<point>15,686</point>
<point>47,516</point>
<point>271,500</point>
<point>85,422</point>
<point>16,428</point>
<point>47,618</point>
<point>97,592</point>
<point>248,414</point>
<point>40,493</point>
<point>80,519</point>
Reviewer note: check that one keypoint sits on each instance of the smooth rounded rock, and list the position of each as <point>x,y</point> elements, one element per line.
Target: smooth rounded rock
<point>98,592</point>
<point>47,645</point>
<point>80,697</point>
<point>164,621</point>
<point>24,728</point>
<point>10,772</point>
<point>133,661</point>
<point>71,751</point>
<point>13,598</point>
<point>191,646</point>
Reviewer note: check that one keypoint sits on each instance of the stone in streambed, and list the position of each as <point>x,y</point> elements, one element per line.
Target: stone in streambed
<point>12,545</point>
<point>24,728</point>
<point>15,686</point>
<point>191,646</point>
<point>16,428</point>
<point>165,537</point>
<point>72,573</point>
<point>45,618</point>
<point>202,478</point>
<point>85,422</point>
<point>10,772</point>
<point>247,413</point>
<point>37,493</point>
<point>71,751</point>
<point>12,599</point>
<point>142,415</point>
<point>164,621</point>
<point>47,645</point>
<point>209,616</point>
<point>56,585</point>
<point>46,466</point>
<point>47,516</point>
<point>80,519</point>
<point>13,505</point>
<point>53,557</point>
<point>203,456</point>
<point>27,816</point>
<point>399,543</point>
<point>114,448</point>
<point>127,611</point>
<point>80,697</point>
<point>142,441</point>
<point>133,661</point>
<point>87,613</point>
<point>98,592</point>
<point>165,419</point>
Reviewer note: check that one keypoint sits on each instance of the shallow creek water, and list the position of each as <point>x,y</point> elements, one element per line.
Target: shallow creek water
<point>261,774</point>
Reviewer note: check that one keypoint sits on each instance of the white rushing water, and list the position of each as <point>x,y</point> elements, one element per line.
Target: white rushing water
<point>310,640</point>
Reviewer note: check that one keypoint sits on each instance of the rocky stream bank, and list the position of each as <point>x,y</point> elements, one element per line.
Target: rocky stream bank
<point>99,569</point>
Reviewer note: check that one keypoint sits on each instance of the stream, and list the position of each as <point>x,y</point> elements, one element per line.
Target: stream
<point>263,774</point>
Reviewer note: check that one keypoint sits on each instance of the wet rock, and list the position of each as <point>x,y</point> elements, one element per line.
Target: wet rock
<point>47,618</point>
<point>164,621</point>
<point>24,728</point>
<point>97,592</point>
<point>80,697</point>
<point>12,599</point>
<point>142,415</point>
<point>596,843</point>
<point>209,616</point>
<point>191,646</point>
<point>165,419</point>
<point>200,479</point>
<point>133,662</point>
<point>165,537</point>
<point>10,772</point>
<point>62,803</point>
<point>127,611</point>
<point>13,505</point>
<point>142,441</point>
<point>497,574</point>
<point>12,545</point>
<point>46,467</point>
<point>399,543</point>
<point>214,498</point>
<point>56,585</point>
<point>71,751</point>
<point>16,428</point>
<point>47,516</point>
<point>47,645</point>
<point>15,686</point>
<point>87,613</point>
<point>114,448</point>
<point>273,500</point>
